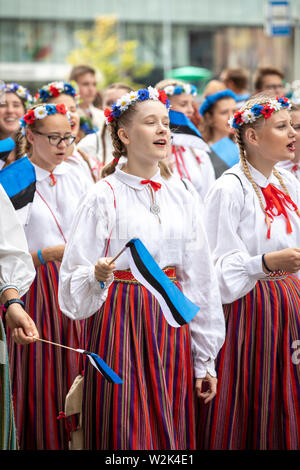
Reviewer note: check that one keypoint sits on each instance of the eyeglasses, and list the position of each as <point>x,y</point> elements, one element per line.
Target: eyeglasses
<point>274,87</point>
<point>55,140</point>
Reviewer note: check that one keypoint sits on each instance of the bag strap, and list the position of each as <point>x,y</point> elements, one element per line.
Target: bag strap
<point>53,215</point>
<point>115,206</point>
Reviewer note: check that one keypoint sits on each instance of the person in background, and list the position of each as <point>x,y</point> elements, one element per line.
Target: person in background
<point>58,93</point>
<point>294,165</point>
<point>269,79</point>
<point>16,275</point>
<point>85,77</point>
<point>236,80</point>
<point>98,145</point>
<point>216,109</point>
<point>14,101</point>
<point>186,161</point>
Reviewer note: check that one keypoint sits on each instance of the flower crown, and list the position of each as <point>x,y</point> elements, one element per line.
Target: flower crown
<point>132,97</point>
<point>54,89</point>
<point>40,112</point>
<point>186,88</point>
<point>211,99</point>
<point>20,91</point>
<point>250,115</point>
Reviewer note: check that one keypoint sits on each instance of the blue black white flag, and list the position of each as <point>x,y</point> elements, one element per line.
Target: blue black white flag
<point>19,181</point>
<point>102,367</point>
<point>184,132</point>
<point>6,146</point>
<point>227,151</point>
<point>177,309</point>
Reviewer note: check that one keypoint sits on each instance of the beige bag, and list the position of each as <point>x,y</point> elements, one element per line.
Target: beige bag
<point>73,405</point>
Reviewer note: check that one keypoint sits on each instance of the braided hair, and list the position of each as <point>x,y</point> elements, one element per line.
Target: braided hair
<point>260,98</point>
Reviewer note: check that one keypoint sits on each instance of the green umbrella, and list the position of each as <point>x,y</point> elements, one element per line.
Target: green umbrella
<point>190,73</point>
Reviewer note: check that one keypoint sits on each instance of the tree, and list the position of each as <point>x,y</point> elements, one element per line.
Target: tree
<point>114,60</point>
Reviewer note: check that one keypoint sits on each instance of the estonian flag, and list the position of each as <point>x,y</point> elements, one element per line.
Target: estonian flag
<point>6,146</point>
<point>184,132</point>
<point>102,367</point>
<point>227,150</point>
<point>19,179</point>
<point>177,309</point>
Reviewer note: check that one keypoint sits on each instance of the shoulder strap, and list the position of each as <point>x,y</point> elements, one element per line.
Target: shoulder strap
<point>225,174</point>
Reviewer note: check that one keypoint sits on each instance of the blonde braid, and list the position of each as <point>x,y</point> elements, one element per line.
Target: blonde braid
<point>119,150</point>
<point>247,173</point>
<point>22,147</point>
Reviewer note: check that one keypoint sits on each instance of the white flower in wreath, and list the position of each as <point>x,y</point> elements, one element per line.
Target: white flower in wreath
<point>153,93</point>
<point>124,102</point>
<point>21,92</point>
<point>275,105</point>
<point>169,90</point>
<point>40,112</point>
<point>187,88</point>
<point>230,121</point>
<point>248,116</point>
<point>133,95</point>
<point>59,86</point>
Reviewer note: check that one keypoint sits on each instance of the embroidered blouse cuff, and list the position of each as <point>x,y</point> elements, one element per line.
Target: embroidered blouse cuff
<point>8,286</point>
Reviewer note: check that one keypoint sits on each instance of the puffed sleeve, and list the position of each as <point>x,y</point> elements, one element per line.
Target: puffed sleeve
<point>237,271</point>
<point>16,266</point>
<point>80,295</point>
<point>199,284</point>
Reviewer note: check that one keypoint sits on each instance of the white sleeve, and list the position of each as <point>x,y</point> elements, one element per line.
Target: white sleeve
<point>237,271</point>
<point>16,265</point>
<point>89,145</point>
<point>80,294</point>
<point>208,172</point>
<point>199,284</point>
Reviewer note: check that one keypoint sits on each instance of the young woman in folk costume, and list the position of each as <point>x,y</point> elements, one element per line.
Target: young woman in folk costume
<point>61,92</point>
<point>253,224</point>
<point>16,275</point>
<point>215,110</point>
<point>154,407</point>
<point>185,161</point>
<point>294,165</point>
<point>42,374</point>
<point>13,104</point>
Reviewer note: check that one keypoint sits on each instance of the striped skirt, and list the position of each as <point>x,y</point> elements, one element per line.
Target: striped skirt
<point>258,401</point>
<point>8,439</point>
<point>154,407</point>
<point>41,373</point>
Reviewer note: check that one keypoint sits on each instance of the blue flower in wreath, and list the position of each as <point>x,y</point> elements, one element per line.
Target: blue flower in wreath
<point>143,95</point>
<point>69,90</point>
<point>116,110</point>
<point>51,109</point>
<point>283,101</point>
<point>257,109</point>
<point>177,90</point>
<point>44,95</point>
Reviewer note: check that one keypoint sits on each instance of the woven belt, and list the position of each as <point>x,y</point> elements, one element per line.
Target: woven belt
<point>127,277</point>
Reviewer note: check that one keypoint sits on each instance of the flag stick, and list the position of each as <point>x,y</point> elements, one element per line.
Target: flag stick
<point>111,262</point>
<point>56,344</point>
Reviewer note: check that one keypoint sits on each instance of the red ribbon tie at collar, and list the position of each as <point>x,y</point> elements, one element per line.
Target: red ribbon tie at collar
<point>155,186</point>
<point>276,204</point>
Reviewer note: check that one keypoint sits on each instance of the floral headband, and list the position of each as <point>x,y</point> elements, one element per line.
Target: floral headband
<point>132,97</point>
<point>250,115</point>
<point>20,91</point>
<point>211,99</point>
<point>55,89</point>
<point>186,88</point>
<point>40,112</point>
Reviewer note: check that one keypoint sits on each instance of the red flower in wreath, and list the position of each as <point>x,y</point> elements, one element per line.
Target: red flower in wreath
<point>238,118</point>
<point>267,111</point>
<point>162,96</point>
<point>107,112</point>
<point>53,90</point>
<point>29,117</point>
<point>110,118</point>
<point>61,108</point>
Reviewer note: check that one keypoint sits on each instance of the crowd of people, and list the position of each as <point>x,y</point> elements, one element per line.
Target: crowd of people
<point>212,189</point>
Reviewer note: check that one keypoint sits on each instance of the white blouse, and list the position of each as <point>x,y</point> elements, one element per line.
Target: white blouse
<point>289,165</point>
<point>237,231</point>
<point>175,237</point>
<point>47,220</point>
<point>196,166</point>
<point>16,266</point>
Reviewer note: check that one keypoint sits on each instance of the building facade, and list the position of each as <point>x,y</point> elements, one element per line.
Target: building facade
<point>36,36</point>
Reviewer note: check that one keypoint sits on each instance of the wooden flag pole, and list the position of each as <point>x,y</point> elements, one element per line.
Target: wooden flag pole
<point>56,344</point>
<point>117,256</point>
